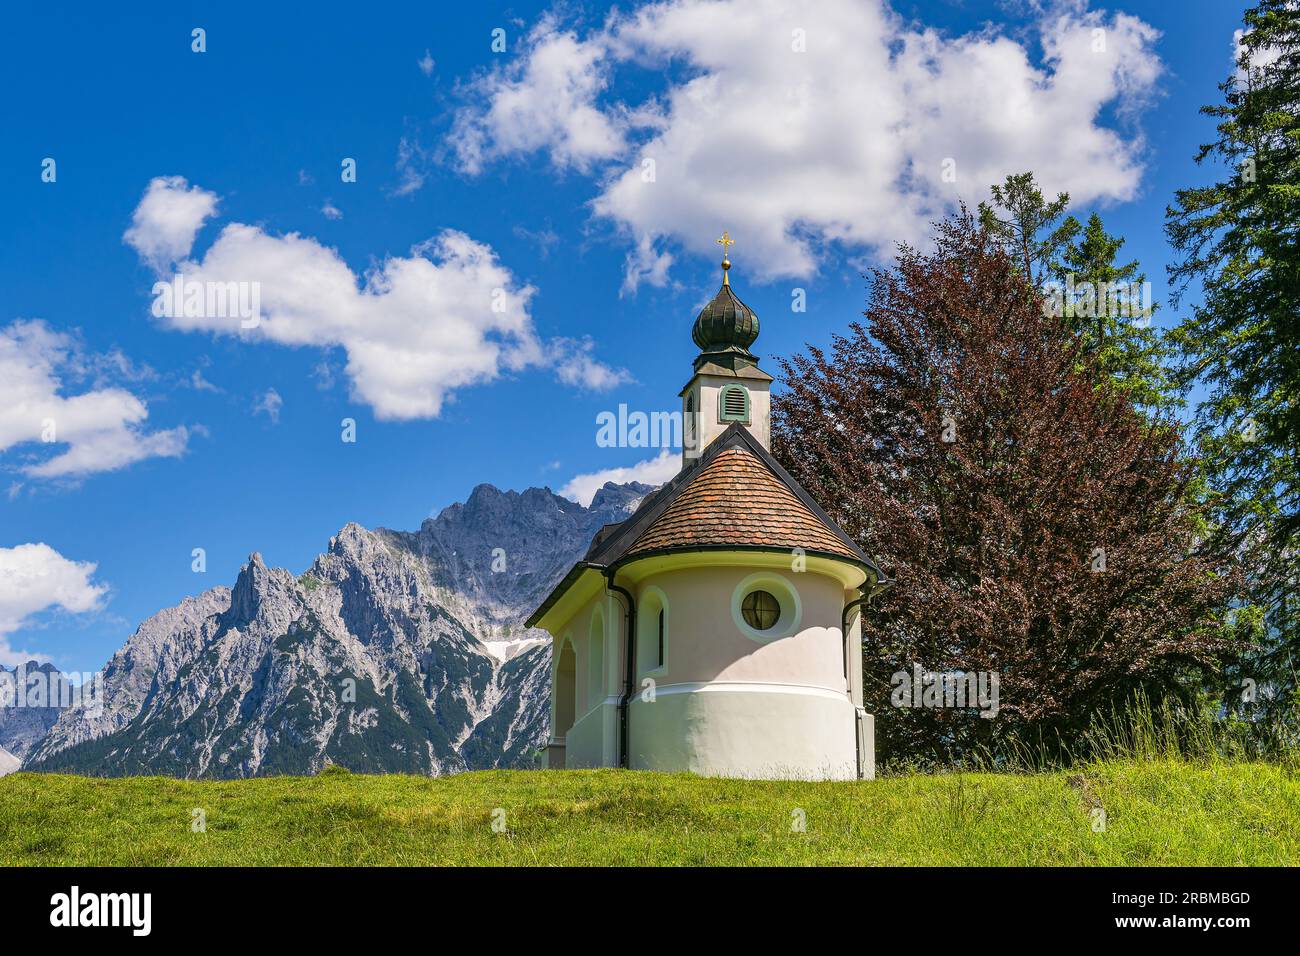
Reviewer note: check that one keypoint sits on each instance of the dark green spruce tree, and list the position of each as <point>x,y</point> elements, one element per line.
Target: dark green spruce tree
<point>1109,308</point>
<point>1239,245</point>
<point>1028,226</point>
<point>1104,303</point>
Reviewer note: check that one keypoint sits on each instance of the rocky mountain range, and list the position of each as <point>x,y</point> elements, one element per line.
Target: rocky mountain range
<point>23,727</point>
<point>394,652</point>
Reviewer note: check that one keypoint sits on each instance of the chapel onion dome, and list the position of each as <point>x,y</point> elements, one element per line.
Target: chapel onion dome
<point>725,325</point>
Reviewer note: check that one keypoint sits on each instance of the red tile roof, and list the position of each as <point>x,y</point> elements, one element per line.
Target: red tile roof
<point>736,495</point>
<point>737,500</point>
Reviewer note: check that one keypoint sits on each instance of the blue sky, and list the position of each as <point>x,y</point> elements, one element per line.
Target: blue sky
<point>526,170</point>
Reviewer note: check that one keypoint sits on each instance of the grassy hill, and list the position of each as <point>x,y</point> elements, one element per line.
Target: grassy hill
<point>1158,812</point>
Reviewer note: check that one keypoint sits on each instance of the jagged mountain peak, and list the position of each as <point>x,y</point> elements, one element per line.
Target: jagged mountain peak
<point>352,541</point>
<point>620,496</point>
<point>488,499</point>
<point>259,590</point>
<point>423,629</point>
<point>31,665</point>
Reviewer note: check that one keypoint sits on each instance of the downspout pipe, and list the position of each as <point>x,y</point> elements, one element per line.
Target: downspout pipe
<point>876,587</point>
<point>844,631</point>
<point>629,681</point>
<point>844,626</point>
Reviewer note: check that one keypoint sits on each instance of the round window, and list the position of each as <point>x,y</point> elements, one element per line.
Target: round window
<point>760,610</point>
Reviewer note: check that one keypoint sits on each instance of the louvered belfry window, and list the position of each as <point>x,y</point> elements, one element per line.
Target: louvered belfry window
<point>733,404</point>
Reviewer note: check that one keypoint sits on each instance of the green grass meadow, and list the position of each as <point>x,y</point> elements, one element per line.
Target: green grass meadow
<point>1159,812</point>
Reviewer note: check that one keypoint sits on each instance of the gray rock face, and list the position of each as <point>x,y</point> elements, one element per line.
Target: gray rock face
<point>153,656</point>
<point>395,651</point>
<point>30,696</point>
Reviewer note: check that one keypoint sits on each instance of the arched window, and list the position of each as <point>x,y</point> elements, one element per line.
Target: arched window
<point>659,657</point>
<point>733,404</point>
<point>565,689</point>
<point>691,426</point>
<point>652,632</point>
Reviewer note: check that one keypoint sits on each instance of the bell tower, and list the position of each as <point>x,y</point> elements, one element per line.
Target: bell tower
<point>728,386</point>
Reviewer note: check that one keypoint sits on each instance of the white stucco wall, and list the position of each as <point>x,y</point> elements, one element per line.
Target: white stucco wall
<point>706,643</point>
<point>737,729</point>
<point>732,703</point>
<point>726,701</point>
<point>592,741</point>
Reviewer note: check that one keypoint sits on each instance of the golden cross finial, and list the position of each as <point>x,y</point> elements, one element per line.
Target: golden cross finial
<point>725,241</point>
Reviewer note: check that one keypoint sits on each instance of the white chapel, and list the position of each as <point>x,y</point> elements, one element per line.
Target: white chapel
<point>718,628</point>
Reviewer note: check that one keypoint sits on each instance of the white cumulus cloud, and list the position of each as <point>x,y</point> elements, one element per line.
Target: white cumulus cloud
<point>167,219</point>
<point>99,428</point>
<point>414,328</point>
<point>544,101</point>
<point>799,124</point>
<point>652,471</point>
<point>575,365</point>
<point>34,577</point>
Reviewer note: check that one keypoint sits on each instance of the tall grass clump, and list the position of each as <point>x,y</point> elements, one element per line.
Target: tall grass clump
<point>1139,729</point>
<point>1172,730</point>
<point>1142,730</point>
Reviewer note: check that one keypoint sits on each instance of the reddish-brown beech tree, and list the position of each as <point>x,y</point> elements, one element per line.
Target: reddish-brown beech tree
<point>1035,524</point>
